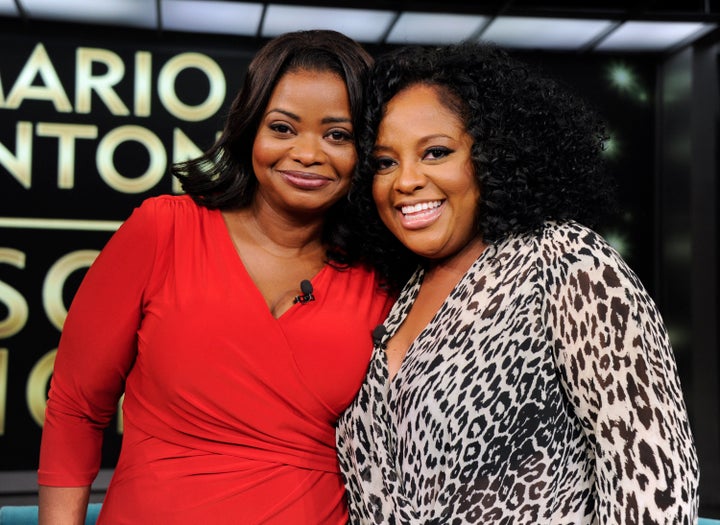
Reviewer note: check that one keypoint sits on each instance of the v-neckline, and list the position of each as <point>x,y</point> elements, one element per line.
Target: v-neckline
<point>233,254</point>
<point>395,319</point>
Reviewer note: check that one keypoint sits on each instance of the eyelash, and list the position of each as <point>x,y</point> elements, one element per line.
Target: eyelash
<point>437,152</point>
<point>344,135</point>
<point>433,153</point>
<point>378,163</point>
<point>279,127</point>
<point>335,135</point>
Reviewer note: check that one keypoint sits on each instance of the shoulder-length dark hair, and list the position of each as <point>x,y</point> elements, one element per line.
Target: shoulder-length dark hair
<point>536,148</point>
<point>223,177</point>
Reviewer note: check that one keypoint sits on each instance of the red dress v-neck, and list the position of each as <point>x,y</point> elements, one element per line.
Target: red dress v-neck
<point>229,413</point>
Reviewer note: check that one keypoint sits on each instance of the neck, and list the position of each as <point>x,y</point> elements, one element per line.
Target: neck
<point>460,262</point>
<point>283,234</point>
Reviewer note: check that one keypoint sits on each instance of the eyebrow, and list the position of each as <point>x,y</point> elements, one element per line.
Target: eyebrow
<point>331,120</point>
<point>293,116</point>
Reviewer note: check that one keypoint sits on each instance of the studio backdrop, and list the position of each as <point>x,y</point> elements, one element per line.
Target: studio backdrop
<point>89,129</point>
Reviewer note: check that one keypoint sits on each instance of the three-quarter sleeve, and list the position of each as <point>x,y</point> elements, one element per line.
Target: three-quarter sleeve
<point>619,373</point>
<point>97,349</point>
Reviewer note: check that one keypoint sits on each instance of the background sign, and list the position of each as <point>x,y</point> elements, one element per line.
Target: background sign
<point>87,131</point>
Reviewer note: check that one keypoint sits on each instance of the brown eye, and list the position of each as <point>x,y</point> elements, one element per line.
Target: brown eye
<point>279,127</point>
<point>340,135</point>
<point>437,152</point>
<point>383,163</point>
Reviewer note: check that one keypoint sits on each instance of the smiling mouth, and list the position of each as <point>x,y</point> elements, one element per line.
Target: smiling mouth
<point>421,215</point>
<point>304,180</point>
<point>420,207</point>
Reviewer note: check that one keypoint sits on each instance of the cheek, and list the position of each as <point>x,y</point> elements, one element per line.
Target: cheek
<point>260,153</point>
<point>471,188</point>
<point>346,164</point>
<point>380,192</point>
<point>470,210</point>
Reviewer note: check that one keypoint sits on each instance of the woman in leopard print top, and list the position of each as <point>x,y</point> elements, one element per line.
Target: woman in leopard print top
<point>524,375</point>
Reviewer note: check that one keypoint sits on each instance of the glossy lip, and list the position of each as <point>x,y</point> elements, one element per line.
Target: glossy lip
<point>423,218</point>
<point>305,180</point>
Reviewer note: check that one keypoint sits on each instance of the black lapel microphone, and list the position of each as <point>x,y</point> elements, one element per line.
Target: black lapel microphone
<point>377,335</point>
<point>307,293</point>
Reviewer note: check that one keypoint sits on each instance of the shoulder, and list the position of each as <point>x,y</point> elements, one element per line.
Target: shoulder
<point>570,235</point>
<point>570,244</point>
<point>157,218</point>
<point>168,205</point>
<point>575,255</point>
<point>168,212</point>
<point>550,249</point>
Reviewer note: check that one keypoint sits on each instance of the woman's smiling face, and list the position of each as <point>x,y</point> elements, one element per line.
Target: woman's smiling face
<point>424,185</point>
<point>304,151</point>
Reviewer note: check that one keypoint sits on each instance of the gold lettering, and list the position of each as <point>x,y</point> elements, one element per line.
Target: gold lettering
<point>19,165</point>
<point>66,135</point>
<point>120,427</point>
<point>55,279</point>
<point>102,85</point>
<point>143,83</point>
<point>52,90</point>
<point>3,387</point>
<point>37,384</point>
<point>169,98</point>
<point>16,305</point>
<point>106,166</point>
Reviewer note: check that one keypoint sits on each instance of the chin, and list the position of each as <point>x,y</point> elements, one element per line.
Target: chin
<point>426,253</point>
<point>428,249</point>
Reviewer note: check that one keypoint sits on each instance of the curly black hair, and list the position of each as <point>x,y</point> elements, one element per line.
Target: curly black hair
<point>223,178</point>
<point>537,150</point>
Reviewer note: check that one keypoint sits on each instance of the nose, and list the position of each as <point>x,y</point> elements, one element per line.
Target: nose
<point>409,178</point>
<point>307,150</point>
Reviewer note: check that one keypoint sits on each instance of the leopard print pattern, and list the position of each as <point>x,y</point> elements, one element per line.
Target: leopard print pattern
<point>544,391</point>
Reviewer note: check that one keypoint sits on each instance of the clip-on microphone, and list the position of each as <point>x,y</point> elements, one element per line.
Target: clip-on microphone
<point>306,288</point>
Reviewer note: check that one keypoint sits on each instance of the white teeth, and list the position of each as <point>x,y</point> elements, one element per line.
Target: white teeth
<point>421,206</point>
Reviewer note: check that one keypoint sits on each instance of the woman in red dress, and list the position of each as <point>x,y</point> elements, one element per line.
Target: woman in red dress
<point>233,373</point>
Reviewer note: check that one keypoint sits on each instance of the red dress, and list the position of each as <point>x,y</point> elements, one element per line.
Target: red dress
<point>229,413</point>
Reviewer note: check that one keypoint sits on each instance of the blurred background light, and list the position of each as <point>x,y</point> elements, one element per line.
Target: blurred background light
<point>133,13</point>
<point>364,25</point>
<point>624,80</point>
<point>232,18</point>
<point>581,28</point>
<point>649,36</point>
<point>545,33</point>
<point>434,28</point>
<point>8,8</point>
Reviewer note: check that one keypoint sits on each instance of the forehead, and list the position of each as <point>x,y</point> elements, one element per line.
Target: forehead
<point>421,104</point>
<point>305,86</point>
<point>302,75</point>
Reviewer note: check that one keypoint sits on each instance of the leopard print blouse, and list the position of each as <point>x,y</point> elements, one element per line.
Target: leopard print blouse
<point>544,391</point>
